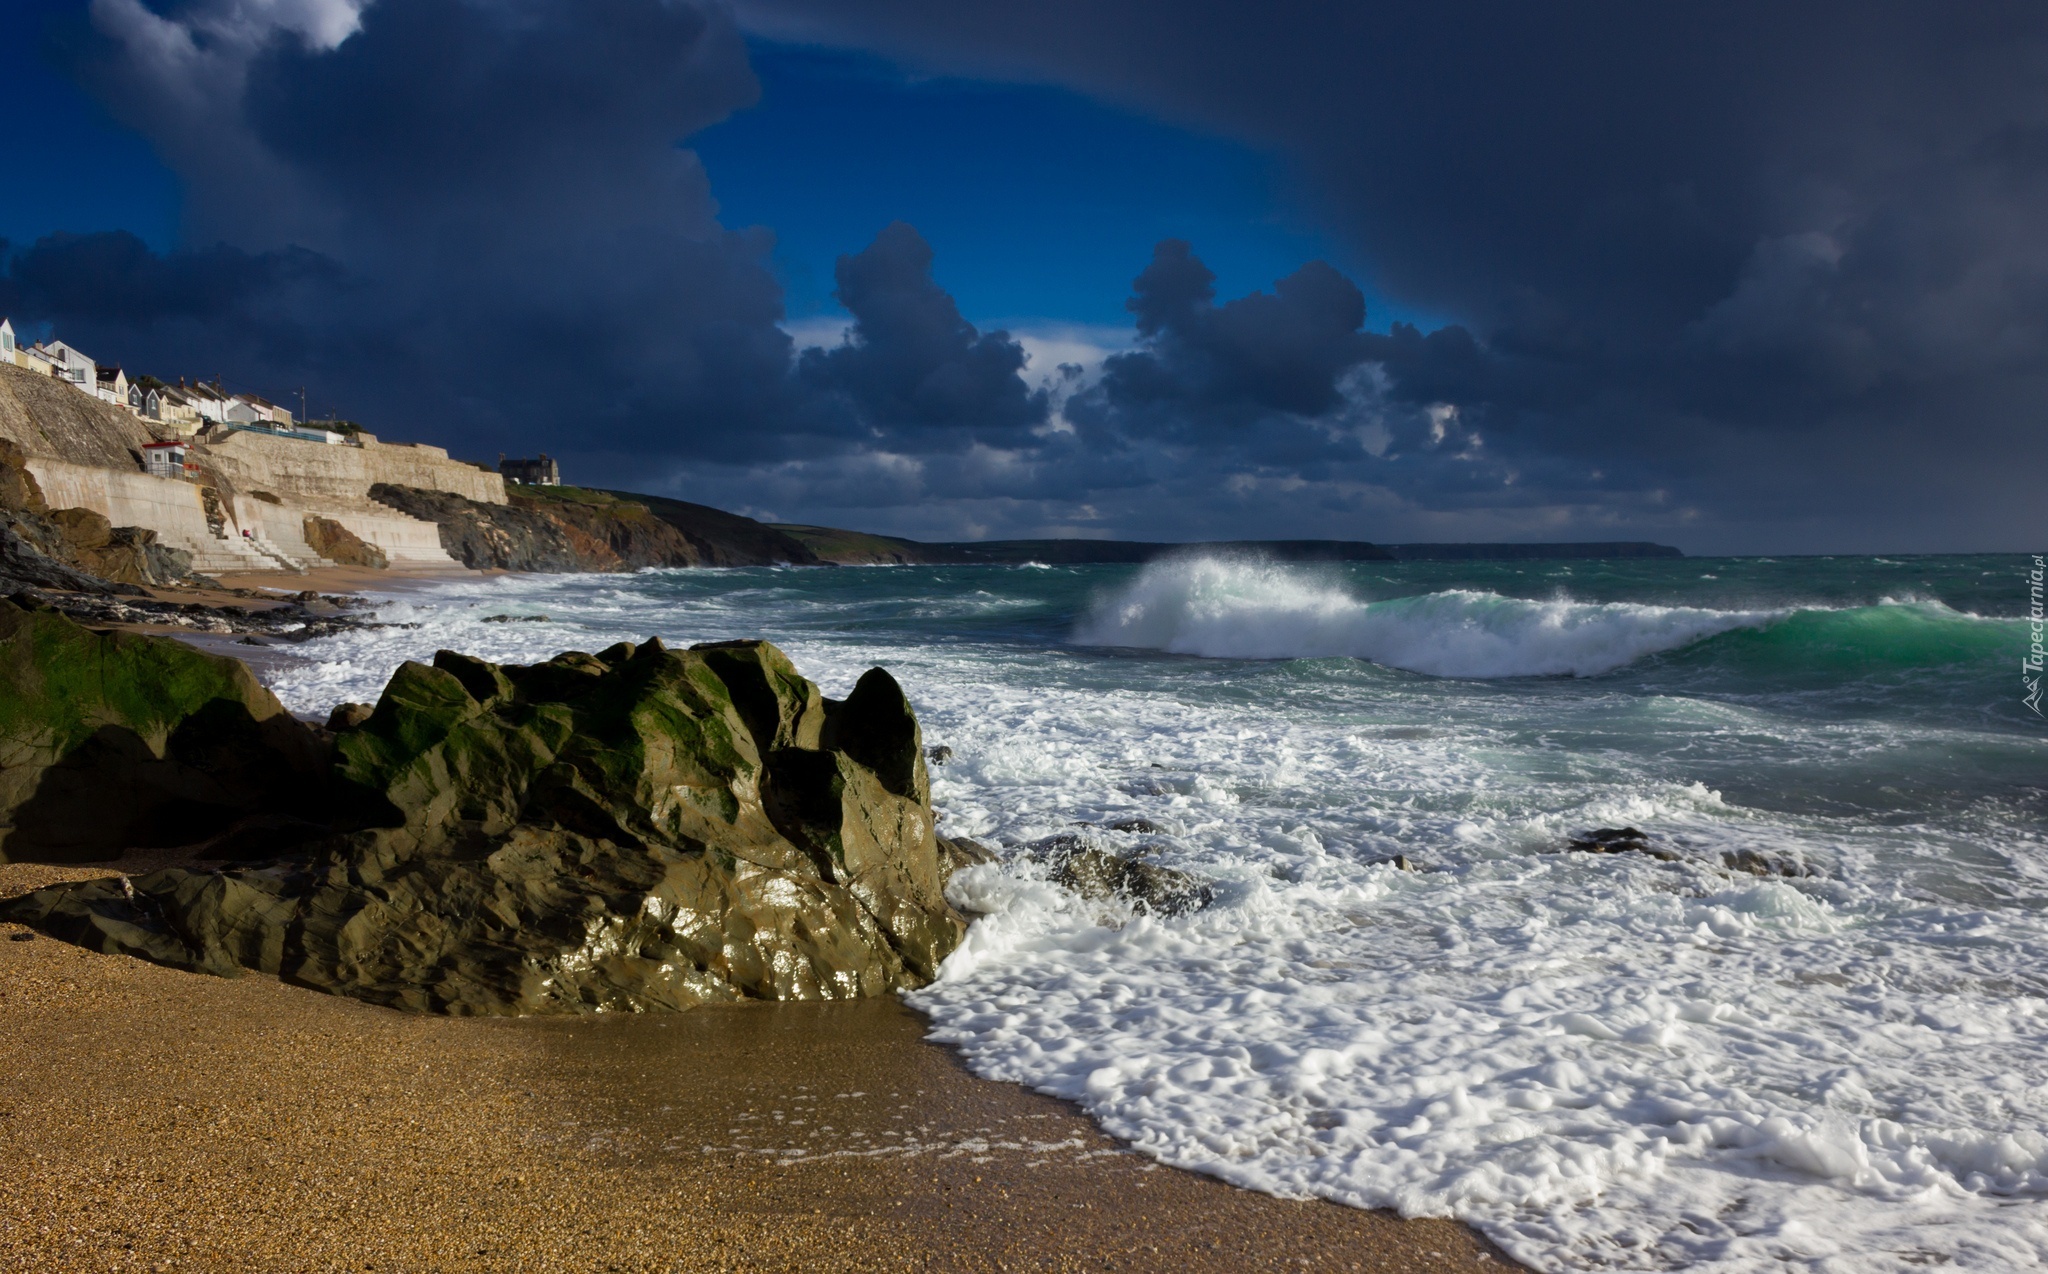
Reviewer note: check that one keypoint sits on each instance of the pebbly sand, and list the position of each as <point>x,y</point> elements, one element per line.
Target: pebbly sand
<point>157,1120</point>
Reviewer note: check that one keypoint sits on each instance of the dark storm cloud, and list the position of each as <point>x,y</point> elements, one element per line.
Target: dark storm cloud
<point>475,222</point>
<point>910,361</point>
<point>112,277</point>
<point>1781,262</point>
<point>1201,365</point>
<point>1747,276</point>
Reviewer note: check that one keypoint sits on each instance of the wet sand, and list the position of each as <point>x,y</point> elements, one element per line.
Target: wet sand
<point>156,1120</point>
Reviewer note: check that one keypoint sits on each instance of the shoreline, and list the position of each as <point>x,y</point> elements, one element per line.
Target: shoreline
<point>180,1121</point>
<point>170,1120</point>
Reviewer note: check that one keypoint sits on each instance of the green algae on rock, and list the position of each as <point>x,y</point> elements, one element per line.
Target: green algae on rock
<point>113,741</point>
<point>638,829</point>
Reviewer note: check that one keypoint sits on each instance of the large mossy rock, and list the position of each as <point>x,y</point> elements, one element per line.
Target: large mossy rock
<point>113,741</point>
<point>639,829</point>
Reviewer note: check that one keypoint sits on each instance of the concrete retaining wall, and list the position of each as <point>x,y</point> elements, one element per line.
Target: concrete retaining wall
<point>175,510</point>
<point>318,474</point>
<point>84,454</point>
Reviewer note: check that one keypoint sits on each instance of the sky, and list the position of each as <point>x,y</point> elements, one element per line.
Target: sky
<point>1741,277</point>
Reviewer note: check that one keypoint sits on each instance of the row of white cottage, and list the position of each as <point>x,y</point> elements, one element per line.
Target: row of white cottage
<point>182,408</point>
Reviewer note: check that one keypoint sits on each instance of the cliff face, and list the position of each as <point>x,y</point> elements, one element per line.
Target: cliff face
<point>497,537</point>
<point>727,539</point>
<point>577,529</point>
<point>626,529</point>
<point>48,418</point>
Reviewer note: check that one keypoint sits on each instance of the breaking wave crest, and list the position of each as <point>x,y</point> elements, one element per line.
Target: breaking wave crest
<point>1245,610</point>
<point>1250,610</point>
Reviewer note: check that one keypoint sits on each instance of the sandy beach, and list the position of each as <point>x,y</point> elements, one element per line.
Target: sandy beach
<point>158,1120</point>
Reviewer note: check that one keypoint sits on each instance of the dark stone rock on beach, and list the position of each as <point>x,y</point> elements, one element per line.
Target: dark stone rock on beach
<point>940,755</point>
<point>112,741</point>
<point>637,829</point>
<point>335,542</point>
<point>77,550</point>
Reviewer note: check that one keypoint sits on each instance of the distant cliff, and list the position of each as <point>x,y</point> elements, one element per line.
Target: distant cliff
<point>1518,552</point>
<point>578,529</point>
<point>860,548</point>
<point>726,539</point>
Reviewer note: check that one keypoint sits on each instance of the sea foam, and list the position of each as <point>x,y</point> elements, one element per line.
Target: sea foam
<point>1252,610</point>
<point>1606,1062</point>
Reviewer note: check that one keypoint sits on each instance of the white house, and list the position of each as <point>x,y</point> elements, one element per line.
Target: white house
<point>207,402</point>
<point>72,365</point>
<point>6,341</point>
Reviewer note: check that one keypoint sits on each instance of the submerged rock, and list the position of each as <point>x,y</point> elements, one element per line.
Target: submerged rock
<point>637,829</point>
<point>1622,840</point>
<point>1762,863</point>
<point>1080,868</point>
<point>113,741</point>
<point>958,852</point>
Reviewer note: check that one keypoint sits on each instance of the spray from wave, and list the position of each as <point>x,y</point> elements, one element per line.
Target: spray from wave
<point>1251,610</point>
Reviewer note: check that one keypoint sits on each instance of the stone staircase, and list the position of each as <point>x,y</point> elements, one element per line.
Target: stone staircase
<point>278,557</point>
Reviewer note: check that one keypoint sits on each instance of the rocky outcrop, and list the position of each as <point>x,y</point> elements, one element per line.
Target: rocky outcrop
<point>638,829</point>
<point>497,537</point>
<point>335,542</point>
<point>74,549</point>
<point>626,530</point>
<point>111,741</point>
<point>25,566</point>
<point>578,529</point>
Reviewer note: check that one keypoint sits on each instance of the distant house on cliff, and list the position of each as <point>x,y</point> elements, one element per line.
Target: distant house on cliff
<point>208,403</point>
<point>171,406</point>
<point>248,409</point>
<point>543,472</point>
<point>6,341</point>
<point>70,365</point>
<point>111,383</point>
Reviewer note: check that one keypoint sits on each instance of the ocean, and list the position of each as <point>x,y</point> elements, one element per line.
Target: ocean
<point>1604,1061</point>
